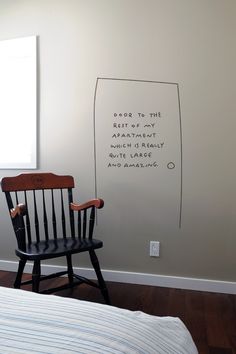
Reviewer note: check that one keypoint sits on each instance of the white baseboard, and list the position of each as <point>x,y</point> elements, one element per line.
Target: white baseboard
<point>168,281</point>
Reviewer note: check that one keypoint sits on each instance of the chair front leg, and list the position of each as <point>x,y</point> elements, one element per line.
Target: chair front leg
<point>36,276</point>
<point>101,282</point>
<point>19,274</point>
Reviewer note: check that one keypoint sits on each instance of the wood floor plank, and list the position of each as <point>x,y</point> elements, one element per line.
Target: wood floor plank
<point>229,319</point>
<point>157,303</point>
<point>216,332</point>
<point>195,319</point>
<point>176,303</point>
<point>214,350</point>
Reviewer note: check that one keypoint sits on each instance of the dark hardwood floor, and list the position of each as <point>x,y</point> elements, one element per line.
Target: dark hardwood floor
<point>210,317</point>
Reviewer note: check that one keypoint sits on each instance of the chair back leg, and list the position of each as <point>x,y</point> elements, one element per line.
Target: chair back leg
<point>101,282</point>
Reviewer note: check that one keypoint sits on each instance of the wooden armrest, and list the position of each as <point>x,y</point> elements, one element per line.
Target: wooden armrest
<point>20,209</point>
<point>98,203</point>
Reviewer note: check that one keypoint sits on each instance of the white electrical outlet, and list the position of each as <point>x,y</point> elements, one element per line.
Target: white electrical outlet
<point>154,249</point>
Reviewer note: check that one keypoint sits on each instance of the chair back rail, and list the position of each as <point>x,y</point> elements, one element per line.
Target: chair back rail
<point>32,181</point>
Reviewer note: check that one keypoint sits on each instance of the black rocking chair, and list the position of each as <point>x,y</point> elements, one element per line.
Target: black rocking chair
<point>48,224</point>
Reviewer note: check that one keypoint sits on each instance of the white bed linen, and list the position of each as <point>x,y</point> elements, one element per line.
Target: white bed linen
<point>35,323</point>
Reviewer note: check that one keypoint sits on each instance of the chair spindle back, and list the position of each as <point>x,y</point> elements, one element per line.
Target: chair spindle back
<point>49,197</point>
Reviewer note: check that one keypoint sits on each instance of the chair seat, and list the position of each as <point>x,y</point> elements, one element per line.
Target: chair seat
<point>57,248</point>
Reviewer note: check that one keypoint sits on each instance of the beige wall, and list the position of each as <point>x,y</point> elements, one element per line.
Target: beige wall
<point>189,42</point>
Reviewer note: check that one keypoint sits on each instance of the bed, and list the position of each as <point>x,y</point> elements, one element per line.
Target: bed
<point>36,323</point>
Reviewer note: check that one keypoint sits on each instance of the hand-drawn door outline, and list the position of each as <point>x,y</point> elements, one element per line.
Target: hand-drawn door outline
<point>170,166</point>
